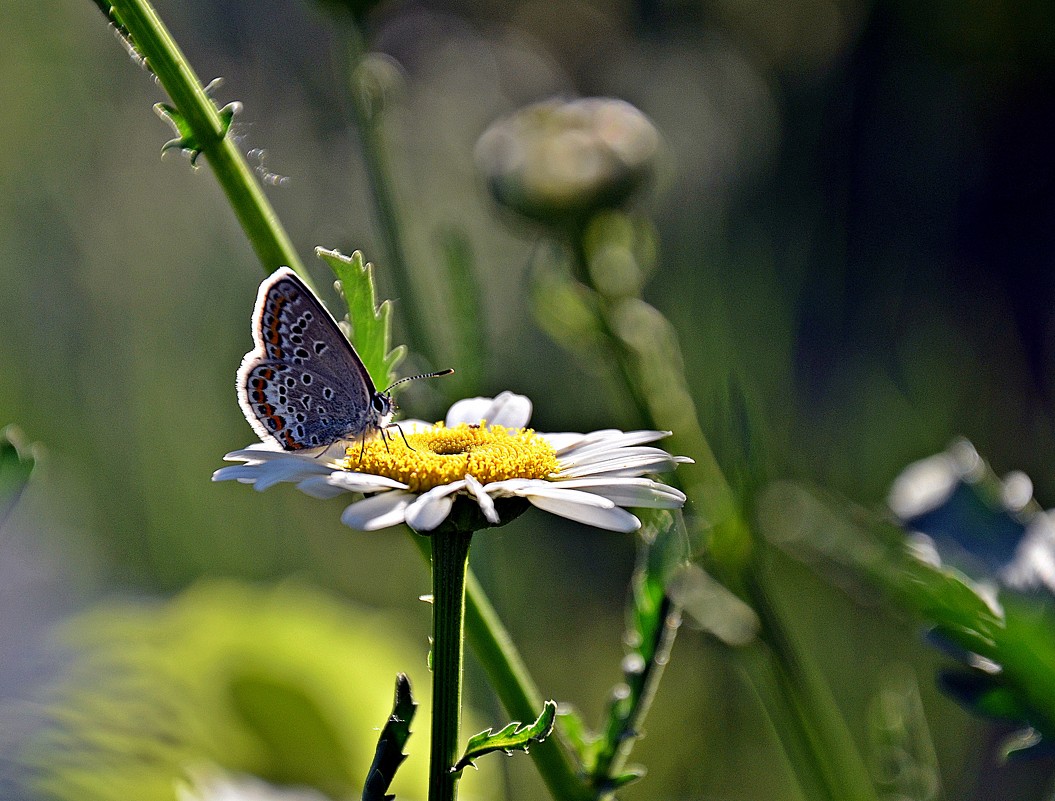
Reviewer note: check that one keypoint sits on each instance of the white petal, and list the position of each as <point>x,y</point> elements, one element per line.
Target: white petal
<point>487,506</point>
<point>432,507</point>
<point>377,511</point>
<point>320,487</point>
<point>613,519</point>
<point>643,492</point>
<point>598,455</point>
<point>259,453</point>
<point>655,461</point>
<point>564,443</point>
<point>618,440</point>
<point>507,409</point>
<point>266,474</point>
<point>362,482</point>
<point>532,488</point>
<point>239,472</point>
<point>511,486</point>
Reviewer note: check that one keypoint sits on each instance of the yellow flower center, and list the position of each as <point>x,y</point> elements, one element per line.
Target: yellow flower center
<point>441,455</point>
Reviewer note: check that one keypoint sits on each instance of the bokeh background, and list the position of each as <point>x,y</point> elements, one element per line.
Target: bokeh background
<point>855,213</point>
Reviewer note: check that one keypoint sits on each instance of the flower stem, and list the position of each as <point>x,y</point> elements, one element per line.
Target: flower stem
<point>367,122</point>
<point>251,206</point>
<point>516,689</point>
<point>795,697</point>
<point>450,560</point>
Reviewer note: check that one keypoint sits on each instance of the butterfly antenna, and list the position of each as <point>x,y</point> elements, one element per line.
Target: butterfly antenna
<point>437,374</point>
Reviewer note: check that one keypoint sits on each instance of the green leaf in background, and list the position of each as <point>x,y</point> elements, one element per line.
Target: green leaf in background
<point>303,746</point>
<point>370,322</point>
<point>389,754</point>
<point>514,737</point>
<point>1013,636</point>
<point>186,140</point>
<point>708,605</point>
<point>283,683</point>
<point>16,465</point>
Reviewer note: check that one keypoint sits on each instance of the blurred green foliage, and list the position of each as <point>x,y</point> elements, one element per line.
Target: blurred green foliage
<point>284,683</point>
<point>853,239</point>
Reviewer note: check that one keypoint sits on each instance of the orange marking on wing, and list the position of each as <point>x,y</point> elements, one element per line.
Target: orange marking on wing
<point>273,336</point>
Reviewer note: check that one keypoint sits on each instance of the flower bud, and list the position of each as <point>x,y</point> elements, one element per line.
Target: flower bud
<point>558,159</point>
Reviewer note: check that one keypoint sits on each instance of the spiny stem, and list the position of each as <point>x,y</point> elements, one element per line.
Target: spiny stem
<point>450,560</point>
<point>254,212</point>
<point>371,138</point>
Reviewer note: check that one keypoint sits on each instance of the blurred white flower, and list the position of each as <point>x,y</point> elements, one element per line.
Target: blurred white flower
<point>483,452</point>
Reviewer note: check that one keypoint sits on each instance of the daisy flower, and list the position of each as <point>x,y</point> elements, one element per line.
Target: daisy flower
<point>483,452</point>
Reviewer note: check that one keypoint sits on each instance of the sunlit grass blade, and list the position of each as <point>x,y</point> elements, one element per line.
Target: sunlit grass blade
<point>903,756</point>
<point>389,754</point>
<point>466,311</point>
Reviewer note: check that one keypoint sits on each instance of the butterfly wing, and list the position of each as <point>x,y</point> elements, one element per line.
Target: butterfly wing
<point>303,385</point>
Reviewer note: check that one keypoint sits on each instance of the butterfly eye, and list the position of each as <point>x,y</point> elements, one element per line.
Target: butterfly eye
<point>381,403</point>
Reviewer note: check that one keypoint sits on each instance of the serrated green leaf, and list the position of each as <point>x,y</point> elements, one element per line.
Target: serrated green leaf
<point>16,465</point>
<point>514,737</point>
<point>370,322</point>
<point>389,754</point>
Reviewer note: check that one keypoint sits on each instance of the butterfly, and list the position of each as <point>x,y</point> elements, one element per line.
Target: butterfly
<point>303,385</point>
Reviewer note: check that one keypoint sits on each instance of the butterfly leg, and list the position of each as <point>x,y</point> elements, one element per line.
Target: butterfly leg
<point>404,436</point>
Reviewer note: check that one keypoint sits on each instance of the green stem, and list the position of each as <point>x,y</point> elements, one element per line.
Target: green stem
<point>516,689</point>
<point>512,682</point>
<point>450,560</point>
<point>811,729</point>
<point>815,731</point>
<point>254,212</point>
<point>626,728</point>
<point>371,138</point>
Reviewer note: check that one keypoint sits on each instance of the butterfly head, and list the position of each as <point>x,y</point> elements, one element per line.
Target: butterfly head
<point>383,407</point>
